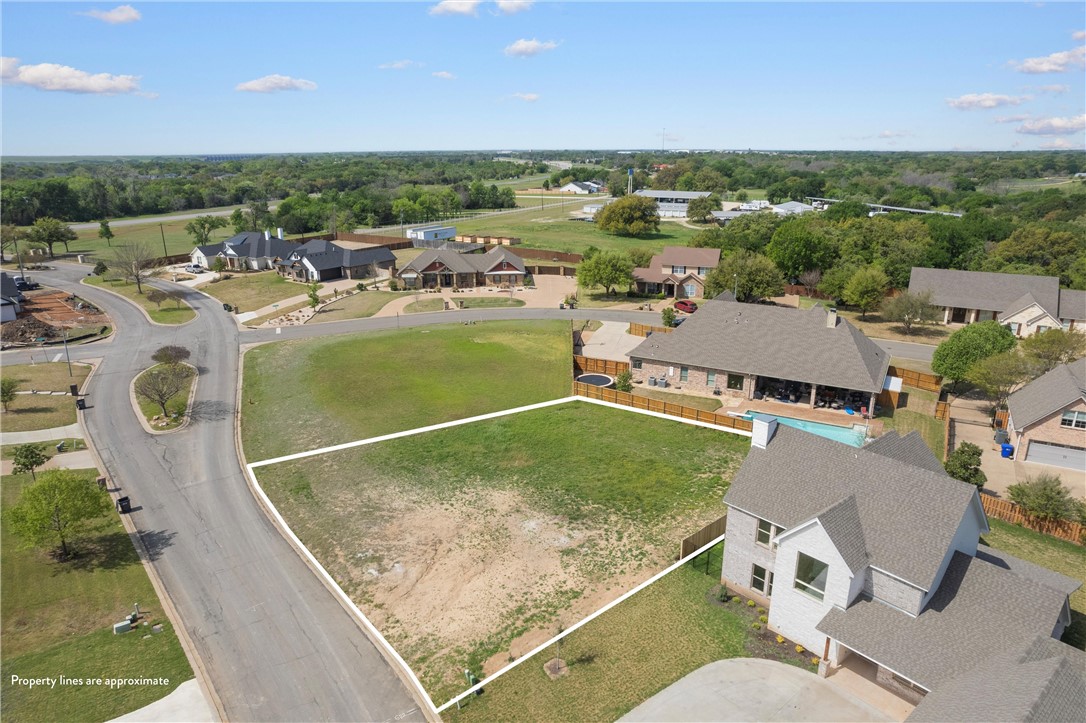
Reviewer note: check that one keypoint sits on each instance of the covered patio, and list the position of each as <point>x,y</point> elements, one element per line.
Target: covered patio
<point>814,396</point>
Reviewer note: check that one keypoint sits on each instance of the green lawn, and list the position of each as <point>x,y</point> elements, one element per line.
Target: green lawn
<point>343,388</point>
<point>709,404</point>
<point>168,313</point>
<point>876,327</point>
<point>254,290</point>
<point>175,405</point>
<point>470,302</point>
<point>177,241</point>
<point>615,509</point>
<point>42,411</point>
<point>1055,554</point>
<point>71,444</point>
<point>357,306</point>
<point>627,655</point>
<point>905,420</point>
<point>57,620</point>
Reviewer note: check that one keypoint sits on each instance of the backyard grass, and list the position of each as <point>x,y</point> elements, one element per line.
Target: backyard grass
<point>356,306</point>
<point>168,313</point>
<point>914,364</point>
<point>905,420</point>
<point>42,411</point>
<point>608,514</point>
<point>471,302</point>
<point>57,619</point>
<point>176,406</point>
<point>707,404</point>
<point>1055,554</point>
<point>623,657</point>
<point>254,290</point>
<point>71,444</point>
<point>599,299</point>
<point>351,387</point>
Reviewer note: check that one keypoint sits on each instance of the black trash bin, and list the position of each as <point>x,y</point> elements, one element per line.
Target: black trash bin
<point>80,403</point>
<point>124,504</point>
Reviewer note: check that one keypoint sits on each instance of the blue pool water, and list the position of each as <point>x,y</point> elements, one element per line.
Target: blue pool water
<point>853,436</point>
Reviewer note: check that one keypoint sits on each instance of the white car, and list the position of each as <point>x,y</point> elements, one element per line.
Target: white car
<point>194,269</point>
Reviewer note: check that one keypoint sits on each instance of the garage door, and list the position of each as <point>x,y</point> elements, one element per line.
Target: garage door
<point>1053,454</point>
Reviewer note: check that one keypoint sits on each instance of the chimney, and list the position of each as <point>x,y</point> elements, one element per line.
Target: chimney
<point>831,318</point>
<point>267,234</point>
<point>764,429</point>
<point>279,233</point>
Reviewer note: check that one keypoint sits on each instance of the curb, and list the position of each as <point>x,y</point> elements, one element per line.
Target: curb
<point>142,310</point>
<point>132,397</point>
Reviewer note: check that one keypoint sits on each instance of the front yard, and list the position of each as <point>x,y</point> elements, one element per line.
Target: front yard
<point>469,302</point>
<point>42,411</point>
<point>876,327</point>
<point>168,312</point>
<point>254,290</point>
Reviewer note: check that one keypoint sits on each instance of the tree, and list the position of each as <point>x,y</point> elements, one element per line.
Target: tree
<point>908,309</point>
<point>10,235</point>
<point>753,277</point>
<point>1045,498</point>
<point>810,280</point>
<point>608,269</point>
<point>801,244</point>
<point>8,386</point>
<point>629,216</point>
<point>967,346</point>
<point>1000,374</point>
<point>104,231</point>
<point>1053,347</point>
<point>742,196</point>
<point>866,289</point>
<point>100,268</point>
<point>171,354</point>
<point>624,381</point>
<point>845,210</point>
<point>964,464</point>
<point>546,184</point>
<point>156,297</point>
<point>200,228</point>
<point>56,509</point>
<point>640,258</point>
<point>48,231</point>
<point>133,262</point>
<point>27,458</point>
<point>161,383</point>
<point>314,297</point>
<point>667,316</point>
<point>218,265</point>
<point>240,221</point>
<point>835,280</point>
<point>701,209</point>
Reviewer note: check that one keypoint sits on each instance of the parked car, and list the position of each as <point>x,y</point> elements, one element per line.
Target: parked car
<point>23,284</point>
<point>686,305</point>
<point>194,269</point>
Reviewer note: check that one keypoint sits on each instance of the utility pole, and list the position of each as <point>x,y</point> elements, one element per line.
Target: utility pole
<point>163,233</point>
<point>66,354</point>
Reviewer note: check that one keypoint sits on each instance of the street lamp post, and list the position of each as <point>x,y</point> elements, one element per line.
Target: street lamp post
<point>735,286</point>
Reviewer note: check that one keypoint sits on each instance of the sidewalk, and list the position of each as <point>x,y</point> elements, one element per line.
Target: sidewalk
<point>42,435</point>
<point>82,459</point>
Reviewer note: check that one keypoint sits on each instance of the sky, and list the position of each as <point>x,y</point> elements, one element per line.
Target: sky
<point>164,78</point>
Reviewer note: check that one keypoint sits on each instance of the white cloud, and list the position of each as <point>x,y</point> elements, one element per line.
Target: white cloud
<point>1053,126</point>
<point>984,101</point>
<point>1079,35</point>
<point>1057,144</point>
<point>1055,63</point>
<point>1013,118</point>
<point>524,48</point>
<point>50,76</point>
<point>511,7</point>
<point>456,7</point>
<point>895,134</point>
<point>275,83</point>
<point>444,75</point>
<point>527,97</point>
<point>117,16</point>
<point>1053,89</point>
<point>400,65</point>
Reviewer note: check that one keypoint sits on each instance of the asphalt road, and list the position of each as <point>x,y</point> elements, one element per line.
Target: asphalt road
<point>158,219</point>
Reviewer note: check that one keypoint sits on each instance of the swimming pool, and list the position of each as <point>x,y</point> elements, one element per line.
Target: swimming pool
<point>852,436</point>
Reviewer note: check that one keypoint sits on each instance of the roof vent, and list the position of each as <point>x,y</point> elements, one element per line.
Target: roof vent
<point>279,232</point>
<point>267,234</point>
<point>831,317</point>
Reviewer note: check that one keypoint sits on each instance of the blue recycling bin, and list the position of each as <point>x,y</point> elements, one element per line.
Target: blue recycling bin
<point>1006,450</point>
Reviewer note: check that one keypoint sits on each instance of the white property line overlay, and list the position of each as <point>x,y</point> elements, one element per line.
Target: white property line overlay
<point>446,425</point>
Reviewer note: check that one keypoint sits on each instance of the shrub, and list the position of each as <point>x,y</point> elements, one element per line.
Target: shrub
<point>964,464</point>
<point>100,268</point>
<point>667,317</point>
<point>1045,497</point>
<point>393,285</point>
<point>756,626</point>
<point>750,603</point>
<point>814,661</point>
<point>722,594</point>
<point>780,639</point>
<point>800,649</point>
<point>361,286</point>
<point>624,381</point>
<point>761,611</point>
<point>763,619</point>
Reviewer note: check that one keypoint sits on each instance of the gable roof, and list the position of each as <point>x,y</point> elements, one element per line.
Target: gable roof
<point>792,207</point>
<point>8,289</point>
<point>686,256</point>
<point>773,342</point>
<point>253,245</point>
<point>1072,304</point>
<point>1048,393</point>
<point>908,515</point>
<point>909,449</point>
<point>983,290</point>
<point>323,255</point>
<point>466,263</point>
<point>842,523</point>
<point>1025,301</point>
<point>979,608</point>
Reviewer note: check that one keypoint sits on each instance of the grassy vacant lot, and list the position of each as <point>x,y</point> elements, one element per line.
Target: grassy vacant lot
<point>356,306</point>
<point>470,302</point>
<point>624,656</point>
<point>709,404</point>
<point>177,241</point>
<point>343,388</point>
<point>254,290</point>
<point>71,444</point>
<point>42,411</point>
<point>1059,555</point>
<point>168,313</point>
<point>505,528</point>
<point>175,405</point>
<point>57,620</point>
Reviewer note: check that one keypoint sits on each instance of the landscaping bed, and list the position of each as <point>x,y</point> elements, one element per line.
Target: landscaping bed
<point>176,405</point>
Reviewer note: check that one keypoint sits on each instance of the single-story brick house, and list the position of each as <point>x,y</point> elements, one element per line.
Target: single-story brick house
<point>870,559</point>
<point>677,271</point>
<point>1048,418</point>
<point>320,260</point>
<point>753,351</point>
<point>1025,304</point>
<point>444,268</point>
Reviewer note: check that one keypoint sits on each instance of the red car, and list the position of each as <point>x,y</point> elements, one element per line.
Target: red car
<point>685,305</point>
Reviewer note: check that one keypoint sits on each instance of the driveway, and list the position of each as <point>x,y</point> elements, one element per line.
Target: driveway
<point>611,341</point>
<point>752,689</point>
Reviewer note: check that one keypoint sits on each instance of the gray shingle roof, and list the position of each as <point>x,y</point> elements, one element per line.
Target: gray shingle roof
<point>1035,573</point>
<point>978,609</point>
<point>466,263</point>
<point>1022,303</point>
<point>253,245</point>
<point>1044,682</point>
<point>842,523</point>
<point>322,255</point>
<point>772,342</point>
<point>1048,393</point>
<point>686,256</point>
<point>908,514</point>
<point>909,449</point>
<point>984,290</point>
<point>1072,304</point>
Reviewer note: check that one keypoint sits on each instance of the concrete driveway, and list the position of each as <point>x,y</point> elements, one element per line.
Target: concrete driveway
<point>752,689</point>
<point>611,341</point>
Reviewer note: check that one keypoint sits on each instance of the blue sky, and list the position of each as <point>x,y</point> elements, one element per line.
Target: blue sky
<point>254,77</point>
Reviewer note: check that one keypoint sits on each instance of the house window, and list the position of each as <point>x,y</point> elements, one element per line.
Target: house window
<point>1074,420</point>
<point>735,382</point>
<point>684,374</point>
<point>678,269</point>
<point>761,580</point>
<point>636,363</point>
<point>703,271</point>
<point>1041,328</point>
<point>1065,324</point>
<point>691,290</point>
<point>766,531</point>
<point>710,379</point>
<point>811,576</point>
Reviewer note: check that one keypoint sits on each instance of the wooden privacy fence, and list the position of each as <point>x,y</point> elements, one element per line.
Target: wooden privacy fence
<point>942,410</point>
<point>646,329</point>
<point>588,365</point>
<point>545,255</point>
<point>703,536</point>
<point>1010,512</point>
<point>1002,417</point>
<point>919,380</point>
<point>627,399</point>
